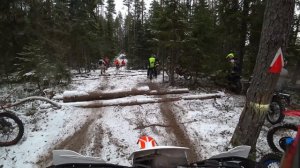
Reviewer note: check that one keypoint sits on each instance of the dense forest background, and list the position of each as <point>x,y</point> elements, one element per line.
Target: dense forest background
<point>41,41</point>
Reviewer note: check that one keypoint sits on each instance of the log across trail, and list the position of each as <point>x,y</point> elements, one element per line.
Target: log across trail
<point>77,96</point>
<point>138,101</point>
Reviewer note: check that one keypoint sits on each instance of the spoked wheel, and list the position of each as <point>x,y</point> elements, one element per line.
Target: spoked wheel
<point>187,75</point>
<point>168,72</point>
<point>11,129</point>
<point>271,160</point>
<point>275,113</point>
<point>278,133</point>
<point>237,87</point>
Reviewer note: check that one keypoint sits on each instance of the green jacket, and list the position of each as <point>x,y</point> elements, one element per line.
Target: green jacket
<point>152,62</point>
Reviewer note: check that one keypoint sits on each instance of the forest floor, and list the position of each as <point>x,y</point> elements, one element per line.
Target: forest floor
<point>111,133</point>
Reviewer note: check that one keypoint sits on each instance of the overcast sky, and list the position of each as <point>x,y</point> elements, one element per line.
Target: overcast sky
<point>123,9</point>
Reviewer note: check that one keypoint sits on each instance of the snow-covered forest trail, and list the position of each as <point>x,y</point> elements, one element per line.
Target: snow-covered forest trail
<point>111,133</point>
<point>179,131</point>
<point>99,127</point>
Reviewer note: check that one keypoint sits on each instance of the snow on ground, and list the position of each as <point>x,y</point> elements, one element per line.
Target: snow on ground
<point>112,132</point>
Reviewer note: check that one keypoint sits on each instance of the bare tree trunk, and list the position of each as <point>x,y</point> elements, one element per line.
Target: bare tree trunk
<point>74,96</point>
<point>276,27</point>
<point>136,101</point>
<point>172,68</point>
<point>243,32</point>
<point>143,12</point>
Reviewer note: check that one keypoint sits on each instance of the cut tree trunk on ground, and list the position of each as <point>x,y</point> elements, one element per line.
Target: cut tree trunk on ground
<point>76,96</point>
<point>139,101</point>
<point>32,98</point>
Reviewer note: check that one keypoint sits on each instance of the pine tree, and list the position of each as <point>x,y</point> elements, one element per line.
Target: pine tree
<point>110,29</point>
<point>202,43</point>
<point>256,16</point>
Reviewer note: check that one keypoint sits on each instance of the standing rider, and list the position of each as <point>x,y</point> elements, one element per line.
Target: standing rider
<point>233,71</point>
<point>151,66</point>
<point>102,66</point>
<point>117,64</point>
<point>106,60</point>
<point>233,67</point>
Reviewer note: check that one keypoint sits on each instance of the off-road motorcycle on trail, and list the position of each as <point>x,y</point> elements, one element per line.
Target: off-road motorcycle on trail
<point>280,136</point>
<point>152,156</point>
<point>283,139</point>
<point>180,71</point>
<point>279,103</point>
<point>234,83</point>
<point>231,82</point>
<point>271,160</point>
<point>11,128</point>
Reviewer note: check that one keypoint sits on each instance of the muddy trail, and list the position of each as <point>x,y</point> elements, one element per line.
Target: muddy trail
<point>177,128</point>
<point>89,133</point>
<point>111,132</point>
<point>87,139</point>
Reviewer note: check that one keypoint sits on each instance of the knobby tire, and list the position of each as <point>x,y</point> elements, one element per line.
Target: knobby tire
<point>272,112</point>
<point>270,158</point>
<point>20,128</point>
<point>274,130</point>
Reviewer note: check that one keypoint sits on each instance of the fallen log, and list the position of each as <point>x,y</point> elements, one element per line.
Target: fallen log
<point>76,96</point>
<point>32,98</point>
<point>137,101</point>
<point>202,97</point>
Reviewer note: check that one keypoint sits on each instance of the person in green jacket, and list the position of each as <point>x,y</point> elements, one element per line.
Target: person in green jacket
<point>151,66</point>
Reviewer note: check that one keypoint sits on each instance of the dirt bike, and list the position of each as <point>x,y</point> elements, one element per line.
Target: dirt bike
<point>230,81</point>
<point>11,128</point>
<point>234,83</point>
<point>281,139</point>
<point>278,105</point>
<point>270,160</point>
<point>158,157</point>
<point>183,72</point>
<point>179,70</point>
<point>280,136</point>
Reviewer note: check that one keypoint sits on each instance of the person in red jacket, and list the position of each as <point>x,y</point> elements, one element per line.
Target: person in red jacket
<point>117,64</point>
<point>106,60</point>
<point>123,62</point>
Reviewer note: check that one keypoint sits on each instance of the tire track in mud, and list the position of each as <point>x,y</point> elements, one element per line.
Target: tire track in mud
<point>87,138</point>
<point>78,141</point>
<point>177,128</point>
<point>105,80</point>
<point>81,139</point>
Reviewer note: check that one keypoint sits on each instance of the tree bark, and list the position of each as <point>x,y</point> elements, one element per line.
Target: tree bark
<point>276,27</point>
<point>75,96</point>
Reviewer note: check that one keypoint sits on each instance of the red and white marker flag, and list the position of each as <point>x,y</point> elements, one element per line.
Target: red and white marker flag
<point>146,142</point>
<point>277,63</point>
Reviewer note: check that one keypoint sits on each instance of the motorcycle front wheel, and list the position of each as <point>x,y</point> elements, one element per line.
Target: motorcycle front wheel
<point>271,160</point>
<point>11,129</point>
<point>187,75</point>
<point>278,132</point>
<point>275,113</point>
